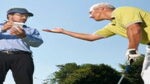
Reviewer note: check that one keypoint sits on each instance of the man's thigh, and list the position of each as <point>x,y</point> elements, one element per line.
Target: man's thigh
<point>23,68</point>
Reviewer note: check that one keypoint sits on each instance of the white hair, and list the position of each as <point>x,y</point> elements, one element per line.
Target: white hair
<point>102,5</point>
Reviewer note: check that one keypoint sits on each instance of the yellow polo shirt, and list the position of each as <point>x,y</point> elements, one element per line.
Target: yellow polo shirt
<point>124,17</point>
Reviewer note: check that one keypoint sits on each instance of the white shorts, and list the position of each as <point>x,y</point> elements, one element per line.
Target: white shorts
<point>146,75</point>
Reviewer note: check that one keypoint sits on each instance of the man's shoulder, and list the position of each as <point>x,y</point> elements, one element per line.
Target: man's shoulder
<point>127,8</point>
<point>126,11</point>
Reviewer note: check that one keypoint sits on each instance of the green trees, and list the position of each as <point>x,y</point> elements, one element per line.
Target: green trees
<point>71,73</point>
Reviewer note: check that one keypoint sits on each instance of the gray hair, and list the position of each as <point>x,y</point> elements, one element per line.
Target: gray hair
<point>102,5</point>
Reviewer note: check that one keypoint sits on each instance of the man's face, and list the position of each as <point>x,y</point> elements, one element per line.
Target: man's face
<point>96,14</point>
<point>17,17</point>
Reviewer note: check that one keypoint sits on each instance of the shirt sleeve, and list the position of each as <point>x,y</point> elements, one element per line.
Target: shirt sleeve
<point>128,16</point>
<point>131,19</point>
<point>105,32</point>
<point>33,38</point>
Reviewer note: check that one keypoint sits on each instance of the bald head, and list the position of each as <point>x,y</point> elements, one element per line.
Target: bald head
<point>106,5</point>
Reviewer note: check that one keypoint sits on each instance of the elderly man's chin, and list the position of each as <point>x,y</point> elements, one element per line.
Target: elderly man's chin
<point>99,19</point>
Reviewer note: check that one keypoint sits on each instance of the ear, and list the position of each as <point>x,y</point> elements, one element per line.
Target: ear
<point>9,16</point>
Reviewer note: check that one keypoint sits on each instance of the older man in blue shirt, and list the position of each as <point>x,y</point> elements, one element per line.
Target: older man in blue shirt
<point>15,41</point>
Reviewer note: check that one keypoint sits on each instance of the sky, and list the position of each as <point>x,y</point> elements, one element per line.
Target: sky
<point>59,49</point>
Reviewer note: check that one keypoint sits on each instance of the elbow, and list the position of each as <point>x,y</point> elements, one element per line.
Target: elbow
<point>91,40</point>
<point>40,42</point>
<point>137,33</point>
<point>94,39</point>
<point>135,29</point>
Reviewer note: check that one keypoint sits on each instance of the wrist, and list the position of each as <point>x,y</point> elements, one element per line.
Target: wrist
<point>132,51</point>
<point>132,54</point>
<point>64,31</point>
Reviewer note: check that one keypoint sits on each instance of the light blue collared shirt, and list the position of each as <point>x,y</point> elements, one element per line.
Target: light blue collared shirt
<point>14,43</point>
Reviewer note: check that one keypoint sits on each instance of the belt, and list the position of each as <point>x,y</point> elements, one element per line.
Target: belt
<point>14,52</point>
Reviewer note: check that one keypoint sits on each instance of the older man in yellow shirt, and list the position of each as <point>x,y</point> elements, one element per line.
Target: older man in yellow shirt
<point>130,22</point>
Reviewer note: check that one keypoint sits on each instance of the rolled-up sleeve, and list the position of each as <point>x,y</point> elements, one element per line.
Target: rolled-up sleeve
<point>33,38</point>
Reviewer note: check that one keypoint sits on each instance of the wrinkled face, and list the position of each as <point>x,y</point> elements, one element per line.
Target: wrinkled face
<point>17,17</point>
<point>96,14</point>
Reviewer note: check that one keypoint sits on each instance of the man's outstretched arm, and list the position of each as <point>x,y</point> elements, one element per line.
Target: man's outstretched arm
<point>83,36</point>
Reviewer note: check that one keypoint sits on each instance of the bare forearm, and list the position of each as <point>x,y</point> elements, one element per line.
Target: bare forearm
<point>134,35</point>
<point>134,42</point>
<point>83,36</point>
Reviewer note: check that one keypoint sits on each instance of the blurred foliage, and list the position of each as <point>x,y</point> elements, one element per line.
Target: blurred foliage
<point>134,73</point>
<point>71,73</point>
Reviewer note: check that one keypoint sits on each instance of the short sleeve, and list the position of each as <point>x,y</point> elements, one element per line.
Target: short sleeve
<point>130,18</point>
<point>125,16</point>
<point>105,32</point>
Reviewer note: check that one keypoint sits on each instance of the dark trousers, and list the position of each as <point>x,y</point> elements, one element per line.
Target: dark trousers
<point>21,65</point>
